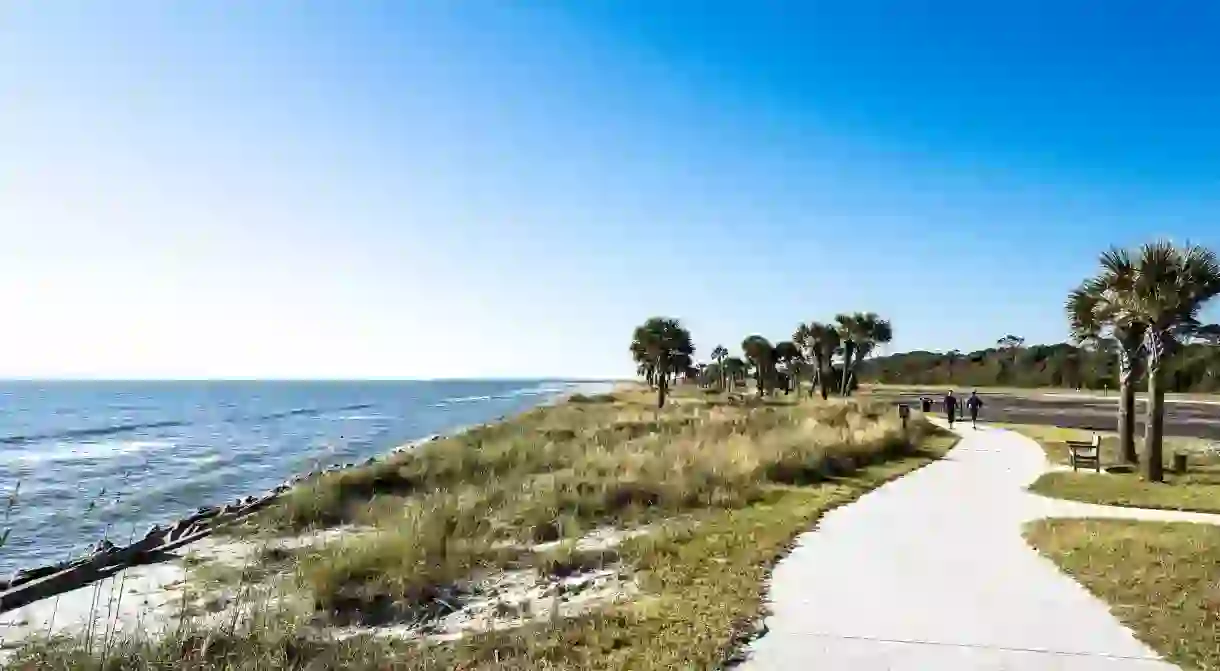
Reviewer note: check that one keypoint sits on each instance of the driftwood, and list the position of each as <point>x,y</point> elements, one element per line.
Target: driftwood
<point>105,558</point>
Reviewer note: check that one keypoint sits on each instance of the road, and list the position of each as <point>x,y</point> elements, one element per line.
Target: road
<point>1198,419</point>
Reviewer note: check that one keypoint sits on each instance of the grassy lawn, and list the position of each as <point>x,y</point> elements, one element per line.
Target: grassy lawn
<point>720,489</point>
<point>1198,489</point>
<point>1159,579</point>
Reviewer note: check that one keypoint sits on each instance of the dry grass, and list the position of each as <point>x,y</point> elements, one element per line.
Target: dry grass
<point>726,486</point>
<point>1197,490</point>
<point>1159,578</point>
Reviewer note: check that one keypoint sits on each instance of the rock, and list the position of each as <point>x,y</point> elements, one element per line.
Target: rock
<point>153,530</point>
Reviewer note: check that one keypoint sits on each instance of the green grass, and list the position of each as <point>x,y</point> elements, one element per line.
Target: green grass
<point>723,486</point>
<point>1159,579</point>
<point>1196,490</point>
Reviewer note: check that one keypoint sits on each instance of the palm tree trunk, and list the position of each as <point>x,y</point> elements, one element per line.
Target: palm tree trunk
<point>1126,405</point>
<point>848,350</point>
<point>1154,423</point>
<point>662,387</point>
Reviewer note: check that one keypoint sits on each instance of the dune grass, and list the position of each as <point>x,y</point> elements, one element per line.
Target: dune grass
<point>723,487</point>
<point>1159,578</point>
<point>1196,490</point>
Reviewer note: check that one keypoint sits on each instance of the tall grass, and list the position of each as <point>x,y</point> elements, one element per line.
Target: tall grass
<point>428,523</point>
<point>556,472</point>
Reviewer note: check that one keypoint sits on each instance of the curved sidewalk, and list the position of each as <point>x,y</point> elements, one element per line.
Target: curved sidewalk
<point>931,572</point>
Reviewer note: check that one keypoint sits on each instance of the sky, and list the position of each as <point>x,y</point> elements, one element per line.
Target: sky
<point>433,189</point>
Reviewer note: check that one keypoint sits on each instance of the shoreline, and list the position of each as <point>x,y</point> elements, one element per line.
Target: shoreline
<point>106,561</point>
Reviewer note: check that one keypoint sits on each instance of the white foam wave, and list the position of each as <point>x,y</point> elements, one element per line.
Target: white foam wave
<point>87,451</point>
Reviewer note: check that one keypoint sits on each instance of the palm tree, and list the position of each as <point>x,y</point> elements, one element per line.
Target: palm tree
<point>803,338</point>
<point>874,331</point>
<point>824,342</point>
<point>719,354</point>
<point>848,327</point>
<point>1170,287</point>
<point>680,366</point>
<point>643,366</point>
<point>735,369</point>
<point>859,333</point>
<point>789,355</point>
<point>760,353</point>
<point>662,342</point>
<point>1096,316</point>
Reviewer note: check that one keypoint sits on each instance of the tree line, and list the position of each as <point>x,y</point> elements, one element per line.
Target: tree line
<point>827,355</point>
<point>1134,326</point>
<point>1195,369</point>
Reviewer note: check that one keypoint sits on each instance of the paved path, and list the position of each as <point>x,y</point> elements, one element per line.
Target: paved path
<point>931,572</point>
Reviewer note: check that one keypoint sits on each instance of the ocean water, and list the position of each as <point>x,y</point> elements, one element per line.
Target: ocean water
<point>110,459</point>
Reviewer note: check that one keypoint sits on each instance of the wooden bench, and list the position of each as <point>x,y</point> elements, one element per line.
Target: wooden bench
<point>1087,454</point>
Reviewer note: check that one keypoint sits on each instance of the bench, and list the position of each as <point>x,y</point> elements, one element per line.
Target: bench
<point>1087,454</point>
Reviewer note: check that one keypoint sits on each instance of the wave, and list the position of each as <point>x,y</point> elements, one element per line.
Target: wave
<point>303,412</point>
<point>542,390</point>
<point>85,451</point>
<point>94,432</point>
<point>86,433</point>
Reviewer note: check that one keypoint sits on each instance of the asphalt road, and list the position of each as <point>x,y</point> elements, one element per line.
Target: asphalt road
<point>1182,418</point>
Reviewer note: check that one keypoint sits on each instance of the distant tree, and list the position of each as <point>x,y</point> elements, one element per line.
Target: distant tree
<point>859,334</point>
<point>824,341</point>
<point>788,355</point>
<point>661,343</point>
<point>1010,345</point>
<point>719,354</point>
<point>874,332</point>
<point>735,369</point>
<point>761,355</point>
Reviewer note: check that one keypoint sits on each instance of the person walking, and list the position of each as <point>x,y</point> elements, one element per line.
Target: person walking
<point>950,403</point>
<point>974,404</point>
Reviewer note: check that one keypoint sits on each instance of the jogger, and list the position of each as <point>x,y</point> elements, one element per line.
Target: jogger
<point>950,402</point>
<point>973,404</point>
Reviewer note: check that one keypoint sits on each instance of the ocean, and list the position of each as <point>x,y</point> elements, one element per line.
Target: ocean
<point>110,459</point>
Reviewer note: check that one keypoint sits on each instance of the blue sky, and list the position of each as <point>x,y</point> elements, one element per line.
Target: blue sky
<point>436,189</point>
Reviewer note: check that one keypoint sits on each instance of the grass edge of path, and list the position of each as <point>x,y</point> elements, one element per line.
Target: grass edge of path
<point>1156,577</point>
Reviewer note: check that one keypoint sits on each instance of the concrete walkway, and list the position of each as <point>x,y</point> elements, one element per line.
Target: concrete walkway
<point>931,572</point>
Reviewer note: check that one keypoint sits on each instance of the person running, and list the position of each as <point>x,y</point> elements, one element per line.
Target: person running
<point>950,402</point>
<point>973,404</point>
